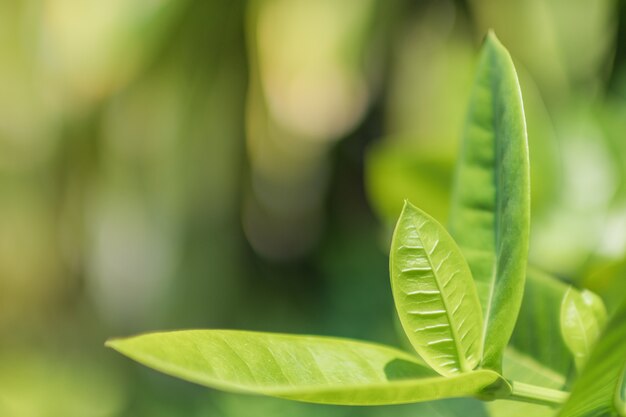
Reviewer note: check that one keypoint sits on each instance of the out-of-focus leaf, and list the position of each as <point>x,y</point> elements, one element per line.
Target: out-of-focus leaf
<point>395,172</point>
<point>314,82</point>
<point>434,294</point>
<point>504,408</point>
<point>490,213</point>
<point>583,316</point>
<point>94,46</point>
<point>429,83</point>
<point>543,150</point>
<point>561,30</point>
<point>599,389</point>
<point>607,278</point>
<point>45,384</point>
<point>519,366</point>
<point>304,368</point>
<point>537,334</point>
<point>576,225</point>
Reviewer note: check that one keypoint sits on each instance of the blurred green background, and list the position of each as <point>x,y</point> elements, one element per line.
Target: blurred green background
<point>239,164</point>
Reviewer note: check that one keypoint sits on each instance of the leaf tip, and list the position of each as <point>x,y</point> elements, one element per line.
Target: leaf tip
<point>408,205</point>
<point>114,344</point>
<point>492,42</point>
<point>405,206</point>
<point>491,38</point>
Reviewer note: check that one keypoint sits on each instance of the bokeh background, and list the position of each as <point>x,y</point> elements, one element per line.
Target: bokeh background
<point>239,164</point>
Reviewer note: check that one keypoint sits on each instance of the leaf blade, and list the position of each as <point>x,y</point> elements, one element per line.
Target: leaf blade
<point>490,211</point>
<point>597,391</point>
<point>537,332</point>
<point>519,366</point>
<point>434,294</point>
<point>582,318</point>
<point>303,368</point>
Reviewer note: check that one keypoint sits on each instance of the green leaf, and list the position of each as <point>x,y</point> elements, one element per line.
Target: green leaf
<point>305,368</point>
<point>434,294</point>
<point>599,388</point>
<point>583,317</point>
<point>490,210</point>
<point>620,398</point>
<point>518,366</point>
<point>537,333</point>
<point>394,172</point>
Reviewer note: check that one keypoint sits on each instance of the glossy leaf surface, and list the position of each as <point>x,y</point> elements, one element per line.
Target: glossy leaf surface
<point>598,391</point>
<point>583,317</point>
<point>434,294</point>
<point>490,211</point>
<point>305,368</point>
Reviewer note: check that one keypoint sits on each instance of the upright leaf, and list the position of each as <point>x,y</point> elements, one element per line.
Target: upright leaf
<point>304,368</point>
<point>598,391</point>
<point>583,317</point>
<point>490,210</point>
<point>434,294</point>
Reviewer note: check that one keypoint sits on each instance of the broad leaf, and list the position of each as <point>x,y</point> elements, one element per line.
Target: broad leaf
<point>599,388</point>
<point>583,317</point>
<point>489,216</point>
<point>537,333</point>
<point>305,368</point>
<point>434,294</point>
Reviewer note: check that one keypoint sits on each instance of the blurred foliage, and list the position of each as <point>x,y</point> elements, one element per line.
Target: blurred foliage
<point>178,164</point>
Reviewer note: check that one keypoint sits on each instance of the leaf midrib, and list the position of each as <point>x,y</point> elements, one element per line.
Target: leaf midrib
<point>583,332</point>
<point>461,357</point>
<point>496,180</point>
<point>202,379</point>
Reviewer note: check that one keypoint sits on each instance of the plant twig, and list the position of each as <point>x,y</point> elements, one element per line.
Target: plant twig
<point>536,394</point>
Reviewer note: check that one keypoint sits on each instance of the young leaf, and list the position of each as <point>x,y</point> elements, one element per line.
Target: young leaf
<point>489,216</point>
<point>599,388</point>
<point>304,368</point>
<point>583,316</point>
<point>434,294</point>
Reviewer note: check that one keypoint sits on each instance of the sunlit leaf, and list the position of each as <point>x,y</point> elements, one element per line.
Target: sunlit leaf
<point>434,294</point>
<point>305,368</point>
<point>583,316</point>
<point>490,211</point>
<point>44,383</point>
<point>599,390</point>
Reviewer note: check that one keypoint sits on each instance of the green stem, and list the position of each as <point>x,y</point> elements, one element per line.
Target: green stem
<point>536,395</point>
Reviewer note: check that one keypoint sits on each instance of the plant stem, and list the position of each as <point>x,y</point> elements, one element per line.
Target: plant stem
<point>536,395</point>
